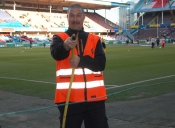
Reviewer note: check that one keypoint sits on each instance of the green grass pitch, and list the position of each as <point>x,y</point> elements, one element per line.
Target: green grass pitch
<point>132,71</point>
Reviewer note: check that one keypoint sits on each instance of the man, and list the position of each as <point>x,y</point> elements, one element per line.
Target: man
<point>152,42</point>
<point>103,44</point>
<point>163,42</point>
<point>158,41</point>
<point>137,40</point>
<point>127,41</point>
<point>44,44</point>
<point>88,93</point>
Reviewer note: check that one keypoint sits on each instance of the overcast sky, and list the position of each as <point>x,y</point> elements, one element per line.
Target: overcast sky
<point>114,14</point>
<point>128,0</point>
<point>122,1</point>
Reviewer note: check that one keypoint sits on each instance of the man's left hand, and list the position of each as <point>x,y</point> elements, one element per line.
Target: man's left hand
<point>74,61</point>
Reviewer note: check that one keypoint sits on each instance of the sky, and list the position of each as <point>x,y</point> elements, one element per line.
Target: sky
<point>128,0</point>
<point>122,1</point>
<point>114,13</point>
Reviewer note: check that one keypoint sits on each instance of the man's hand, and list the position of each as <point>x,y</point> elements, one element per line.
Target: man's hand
<point>69,44</point>
<point>74,61</point>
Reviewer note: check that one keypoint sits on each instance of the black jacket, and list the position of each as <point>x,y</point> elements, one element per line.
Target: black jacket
<point>58,51</point>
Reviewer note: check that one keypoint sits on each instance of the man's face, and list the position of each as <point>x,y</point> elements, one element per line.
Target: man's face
<point>75,18</point>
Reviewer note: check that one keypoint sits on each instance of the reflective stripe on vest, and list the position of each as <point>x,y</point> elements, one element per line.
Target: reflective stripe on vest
<point>94,80</point>
<point>80,85</point>
<point>77,72</point>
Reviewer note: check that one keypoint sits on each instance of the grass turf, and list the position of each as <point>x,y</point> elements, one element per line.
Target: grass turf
<point>32,71</point>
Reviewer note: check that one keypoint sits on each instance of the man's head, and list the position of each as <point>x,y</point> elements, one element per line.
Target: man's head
<point>75,16</point>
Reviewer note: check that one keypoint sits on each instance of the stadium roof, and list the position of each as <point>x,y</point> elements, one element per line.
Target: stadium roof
<point>87,4</point>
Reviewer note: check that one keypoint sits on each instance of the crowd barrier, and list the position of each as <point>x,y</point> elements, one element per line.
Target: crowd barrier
<point>113,42</point>
<point>135,42</point>
<point>12,45</point>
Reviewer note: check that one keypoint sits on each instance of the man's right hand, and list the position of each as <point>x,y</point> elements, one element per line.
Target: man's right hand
<point>69,44</point>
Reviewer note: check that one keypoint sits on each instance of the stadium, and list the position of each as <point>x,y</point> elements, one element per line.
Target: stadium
<point>136,21</point>
<point>19,19</point>
<point>139,80</point>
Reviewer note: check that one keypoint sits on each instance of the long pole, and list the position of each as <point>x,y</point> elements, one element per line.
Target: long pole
<point>162,12</point>
<point>138,26</point>
<point>50,11</point>
<point>157,25</point>
<point>14,9</point>
<point>69,90</point>
<point>105,15</point>
<point>142,18</point>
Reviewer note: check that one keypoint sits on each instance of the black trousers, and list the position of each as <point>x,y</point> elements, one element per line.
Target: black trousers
<point>152,45</point>
<point>92,113</point>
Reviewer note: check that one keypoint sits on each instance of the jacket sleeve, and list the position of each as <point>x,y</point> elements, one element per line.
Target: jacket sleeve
<point>57,49</point>
<point>97,63</point>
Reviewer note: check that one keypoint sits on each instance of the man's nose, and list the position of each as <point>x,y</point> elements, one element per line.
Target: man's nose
<point>75,18</point>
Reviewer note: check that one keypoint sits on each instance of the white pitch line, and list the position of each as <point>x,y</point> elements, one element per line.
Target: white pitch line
<point>27,59</point>
<point>28,80</point>
<point>141,81</point>
<point>113,86</point>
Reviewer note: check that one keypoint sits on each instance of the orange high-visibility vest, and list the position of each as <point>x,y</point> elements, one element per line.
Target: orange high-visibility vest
<point>87,84</point>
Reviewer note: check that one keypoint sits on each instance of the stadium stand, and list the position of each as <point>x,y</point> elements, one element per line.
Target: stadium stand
<point>152,5</point>
<point>61,18</point>
<point>42,19</point>
<point>90,24</point>
<point>26,21</point>
<point>29,20</point>
<point>158,19</point>
<point>151,32</point>
<point>155,4</point>
<point>173,4</point>
<point>137,6</point>
<point>101,21</point>
<point>57,20</point>
<point>159,4</point>
<point>8,21</point>
<point>6,17</point>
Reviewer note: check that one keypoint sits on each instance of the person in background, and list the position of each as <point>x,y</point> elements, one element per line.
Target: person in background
<point>163,42</point>
<point>157,41</point>
<point>127,41</point>
<point>153,42</point>
<point>103,44</point>
<point>44,44</point>
<point>30,44</point>
<point>137,40</point>
<point>88,92</point>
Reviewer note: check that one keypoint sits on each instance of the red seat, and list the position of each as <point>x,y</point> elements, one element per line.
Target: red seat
<point>159,3</point>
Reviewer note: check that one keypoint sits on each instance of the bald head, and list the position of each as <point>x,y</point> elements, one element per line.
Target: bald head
<point>75,6</point>
<point>75,15</point>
